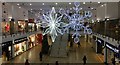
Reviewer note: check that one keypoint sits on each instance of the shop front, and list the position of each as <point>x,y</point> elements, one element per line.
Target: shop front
<point>20,46</point>
<point>32,41</point>
<point>5,28</point>
<point>21,25</point>
<point>7,51</point>
<point>31,27</point>
<point>112,52</point>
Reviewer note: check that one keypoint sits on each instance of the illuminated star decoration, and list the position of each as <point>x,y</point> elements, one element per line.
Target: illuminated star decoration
<point>76,22</point>
<point>52,24</point>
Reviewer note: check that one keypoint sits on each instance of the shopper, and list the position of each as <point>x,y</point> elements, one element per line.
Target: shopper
<point>56,63</point>
<point>78,44</point>
<point>40,55</point>
<point>27,63</point>
<point>113,61</point>
<point>84,60</point>
<point>8,55</point>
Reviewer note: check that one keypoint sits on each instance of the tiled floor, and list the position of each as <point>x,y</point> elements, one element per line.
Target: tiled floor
<point>75,55</point>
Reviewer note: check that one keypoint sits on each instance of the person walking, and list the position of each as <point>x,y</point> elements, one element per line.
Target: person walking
<point>40,55</point>
<point>113,61</point>
<point>26,62</point>
<point>78,44</point>
<point>56,63</point>
<point>84,60</point>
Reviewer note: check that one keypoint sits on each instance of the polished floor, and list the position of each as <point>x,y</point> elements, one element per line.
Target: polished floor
<point>75,55</point>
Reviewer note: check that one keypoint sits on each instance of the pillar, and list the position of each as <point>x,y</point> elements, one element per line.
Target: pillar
<point>13,52</point>
<point>12,27</point>
<point>0,33</point>
<point>27,43</point>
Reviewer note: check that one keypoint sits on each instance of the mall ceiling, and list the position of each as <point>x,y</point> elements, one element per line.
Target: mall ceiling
<point>38,6</point>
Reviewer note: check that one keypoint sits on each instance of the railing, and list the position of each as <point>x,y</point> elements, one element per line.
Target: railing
<point>16,35</point>
<point>108,39</point>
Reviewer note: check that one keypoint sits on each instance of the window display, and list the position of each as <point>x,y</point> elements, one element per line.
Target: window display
<point>21,25</point>
<point>20,48</point>
<point>32,41</point>
<point>5,27</point>
<point>31,26</point>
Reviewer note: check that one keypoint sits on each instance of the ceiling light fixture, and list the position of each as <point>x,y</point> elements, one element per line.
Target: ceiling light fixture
<point>92,8</point>
<point>31,9</point>
<point>18,4</point>
<point>70,8</point>
<point>69,3</point>
<point>43,3</point>
<point>83,2</point>
<point>19,7</point>
<point>81,8</point>
<point>102,5</point>
<point>56,3</point>
<point>40,9</point>
<point>30,4</point>
<point>99,2</point>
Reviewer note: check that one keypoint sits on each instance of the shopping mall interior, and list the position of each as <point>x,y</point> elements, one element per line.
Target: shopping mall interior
<point>71,32</point>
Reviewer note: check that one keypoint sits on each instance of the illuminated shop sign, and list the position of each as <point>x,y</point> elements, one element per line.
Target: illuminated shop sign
<point>99,41</point>
<point>6,43</point>
<point>112,48</point>
<point>20,40</point>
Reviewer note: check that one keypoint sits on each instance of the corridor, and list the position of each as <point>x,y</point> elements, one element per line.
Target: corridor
<point>75,55</point>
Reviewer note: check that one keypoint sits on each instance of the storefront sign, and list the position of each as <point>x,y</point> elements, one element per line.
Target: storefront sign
<point>113,48</point>
<point>20,40</point>
<point>6,43</point>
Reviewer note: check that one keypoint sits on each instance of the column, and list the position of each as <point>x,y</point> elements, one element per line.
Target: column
<point>27,43</point>
<point>0,33</point>
<point>105,51</point>
<point>12,26</point>
<point>13,52</point>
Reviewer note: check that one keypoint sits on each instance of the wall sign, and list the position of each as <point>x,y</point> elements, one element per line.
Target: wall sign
<point>113,48</point>
<point>20,40</point>
<point>6,43</point>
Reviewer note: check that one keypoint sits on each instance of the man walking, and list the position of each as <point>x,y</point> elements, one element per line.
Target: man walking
<point>84,60</point>
<point>40,55</point>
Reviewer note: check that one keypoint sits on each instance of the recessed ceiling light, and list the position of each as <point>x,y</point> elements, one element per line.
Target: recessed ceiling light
<point>70,8</point>
<point>69,3</point>
<point>56,3</point>
<point>40,9</point>
<point>30,4</point>
<point>19,7</point>
<point>81,8</point>
<point>99,2</point>
<point>83,2</point>
<point>43,3</point>
<point>92,8</point>
<point>31,9</point>
<point>18,4</point>
<point>102,5</point>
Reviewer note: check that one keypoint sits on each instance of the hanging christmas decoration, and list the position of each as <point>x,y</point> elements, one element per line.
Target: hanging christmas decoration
<point>52,24</point>
<point>76,21</point>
